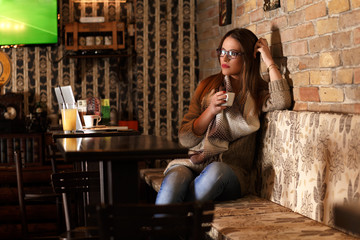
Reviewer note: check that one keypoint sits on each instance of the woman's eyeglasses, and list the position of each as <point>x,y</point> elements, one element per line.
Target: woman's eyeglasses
<point>230,54</point>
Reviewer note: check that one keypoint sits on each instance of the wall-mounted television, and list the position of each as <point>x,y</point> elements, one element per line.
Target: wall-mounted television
<point>28,22</point>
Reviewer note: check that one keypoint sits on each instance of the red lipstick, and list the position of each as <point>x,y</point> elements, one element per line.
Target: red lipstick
<point>225,66</point>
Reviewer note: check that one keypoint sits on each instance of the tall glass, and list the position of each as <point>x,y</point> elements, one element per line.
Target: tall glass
<point>72,144</point>
<point>68,116</point>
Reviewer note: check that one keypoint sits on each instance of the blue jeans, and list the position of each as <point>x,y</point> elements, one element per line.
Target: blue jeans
<point>216,182</point>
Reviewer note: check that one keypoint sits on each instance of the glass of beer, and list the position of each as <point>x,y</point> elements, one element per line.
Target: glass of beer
<point>68,116</point>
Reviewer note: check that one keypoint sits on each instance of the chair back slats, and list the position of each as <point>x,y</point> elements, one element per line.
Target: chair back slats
<point>75,187</point>
<point>69,182</point>
<point>152,222</point>
<point>32,190</point>
<point>141,221</point>
<point>29,145</point>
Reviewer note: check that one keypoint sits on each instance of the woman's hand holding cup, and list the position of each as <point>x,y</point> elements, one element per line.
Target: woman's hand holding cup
<point>229,99</point>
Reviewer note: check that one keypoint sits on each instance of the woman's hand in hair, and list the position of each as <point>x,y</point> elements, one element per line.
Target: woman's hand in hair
<point>262,47</point>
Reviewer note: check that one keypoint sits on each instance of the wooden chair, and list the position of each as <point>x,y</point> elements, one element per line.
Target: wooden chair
<point>76,188</point>
<point>41,194</point>
<point>148,221</point>
<point>51,151</point>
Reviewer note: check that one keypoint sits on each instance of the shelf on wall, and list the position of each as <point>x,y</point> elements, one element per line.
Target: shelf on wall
<point>107,53</point>
<point>98,55</point>
<point>95,36</point>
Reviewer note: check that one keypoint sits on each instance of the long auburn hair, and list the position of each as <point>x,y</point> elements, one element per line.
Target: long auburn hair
<point>251,80</point>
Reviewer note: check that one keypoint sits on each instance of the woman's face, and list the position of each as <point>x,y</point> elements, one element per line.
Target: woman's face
<point>231,65</point>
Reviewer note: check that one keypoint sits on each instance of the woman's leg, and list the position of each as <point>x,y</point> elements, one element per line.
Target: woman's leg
<point>216,182</point>
<point>175,185</point>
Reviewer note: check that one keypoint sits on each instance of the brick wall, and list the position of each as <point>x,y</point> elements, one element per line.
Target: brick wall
<point>317,42</point>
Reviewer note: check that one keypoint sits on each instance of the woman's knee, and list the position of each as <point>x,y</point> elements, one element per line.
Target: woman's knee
<point>179,174</point>
<point>175,185</point>
<point>219,168</point>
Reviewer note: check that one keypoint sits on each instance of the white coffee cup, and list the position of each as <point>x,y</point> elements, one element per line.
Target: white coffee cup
<point>229,99</point>
<point>91,120</point>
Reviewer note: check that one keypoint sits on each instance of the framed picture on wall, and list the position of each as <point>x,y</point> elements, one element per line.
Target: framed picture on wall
<point>271,4</point>
<point>224,12</point>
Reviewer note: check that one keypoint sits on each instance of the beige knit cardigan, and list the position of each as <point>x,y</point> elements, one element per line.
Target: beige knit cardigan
<point>241,152</point>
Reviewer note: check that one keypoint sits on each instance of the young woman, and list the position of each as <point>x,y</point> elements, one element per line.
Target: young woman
<point>221,139</point>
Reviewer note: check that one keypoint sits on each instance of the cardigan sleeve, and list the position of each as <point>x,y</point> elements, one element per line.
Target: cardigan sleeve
<point>187,137</point>
<point>278,97</point>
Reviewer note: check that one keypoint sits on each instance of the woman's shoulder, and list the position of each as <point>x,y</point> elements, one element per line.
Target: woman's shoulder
<point>208,79</point>
<point>208,83</point>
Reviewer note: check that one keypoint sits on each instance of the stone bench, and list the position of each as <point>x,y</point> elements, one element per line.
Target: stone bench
<point>307,165</point>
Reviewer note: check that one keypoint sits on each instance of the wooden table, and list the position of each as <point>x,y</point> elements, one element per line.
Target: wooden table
<point>118,158</point>
<point>52,135</point>
<point>62,134</point>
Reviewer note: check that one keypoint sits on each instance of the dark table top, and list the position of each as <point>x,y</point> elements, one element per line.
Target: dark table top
<point>119,148</point>
<point>62,134</point>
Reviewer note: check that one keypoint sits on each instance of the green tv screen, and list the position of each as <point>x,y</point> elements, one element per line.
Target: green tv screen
<point>28,22</point>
